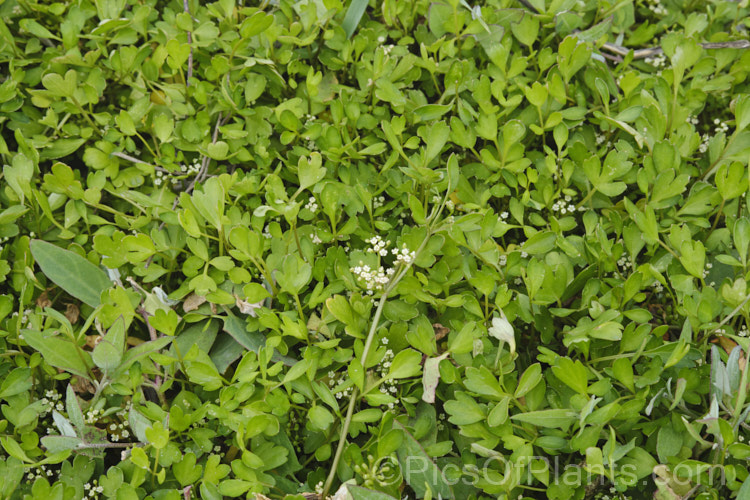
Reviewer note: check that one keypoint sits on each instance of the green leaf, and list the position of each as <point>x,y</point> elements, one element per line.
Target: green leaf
<point>71,272</point>
<point>16,382</point>
<point>353,15</point>
<point>360,493</point>
<point>407,363</point>
<point>418,469</point>
<point>59,353</point>
<point>530,378</point>
<point>61,87</point>
<point>555,419</point>
<point>107,354</point>
<point>573,374</point>
<point>253,341</point>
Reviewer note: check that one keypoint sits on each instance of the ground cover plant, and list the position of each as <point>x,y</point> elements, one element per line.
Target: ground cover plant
<point>423,249</point>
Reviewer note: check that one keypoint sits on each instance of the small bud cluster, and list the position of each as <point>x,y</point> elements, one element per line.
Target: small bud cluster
<point>404,255</point>
<point>188,170</point>
<point>624,263</point>
<point>378,246</point>
<point>93,489</point>
<point>388,386</point>
<point>378,202</point>
<point>374,279</point>
<point>312,204</point>
<point>657,8</point>
<point>564,206</point>
<point>41,472</point>
<point>24,317</point>
<point>334,381</point>
<point>51,401</point>
<point>720,126</point>
<point>659,61</point>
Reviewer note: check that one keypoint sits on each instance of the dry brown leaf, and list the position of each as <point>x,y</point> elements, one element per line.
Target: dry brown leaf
<point>193,302</point>
<point>43,300</point>
<point>728,345</point>
<point>72,312</point>
<point>440,331</point>
<point>246,307</point>
<point>92,340</point>
<point>83,386</point>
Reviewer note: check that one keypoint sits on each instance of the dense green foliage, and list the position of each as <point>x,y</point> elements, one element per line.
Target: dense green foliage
<point>468,252</point>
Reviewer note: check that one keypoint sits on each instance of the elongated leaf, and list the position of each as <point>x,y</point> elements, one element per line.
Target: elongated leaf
<point>55,444</point>
<point>59,353</point>
<point>419,470</point>
<point>360,493</point>
<point>225,351</point>
<point>556,418</point>
<point>71,272</point>
<point>353,16</point>
<point>252,341</point>
<point>139,351</point>
<point>16,382</point>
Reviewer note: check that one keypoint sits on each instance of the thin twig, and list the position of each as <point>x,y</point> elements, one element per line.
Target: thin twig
<point>654,51</point>
<point>138,161</point>
<point>201,176</point>
<point>83,446</point>
<point>186,6</point>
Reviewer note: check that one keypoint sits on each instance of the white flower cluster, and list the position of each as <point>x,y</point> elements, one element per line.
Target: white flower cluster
<point>600,138</point>
<point>705,138</point>
<point>707,269</point>
<point>720,126</point>
<point>624,263</point>
<point>118,431</point>
<point>387,49</point>
<point>450,205</point>
<point>388,386</point>
<point>51,401</point>
<point>93,489</point>
<point>379,246</point>
<point>564,206</point>
<point>743,331</point>
<point>312,145</point>
<point>309,119</point>
<point>312,204</point>
<point>266,233</point>
<point>24,317</point>
<point>503,260</point>
<point>659,61</point>
<point>319,488</point>
<point>41,472</point>
<point>693,120</point>
<point>658,287</point>
<point>378,202</point>
<point>374,279</point>
<point>161,175</point>
<point>334,380</point>
<point>504,215</point>
<point>316,239</point>
<point>657,8</point>
<point>404,255</point>
<point>92,416</point>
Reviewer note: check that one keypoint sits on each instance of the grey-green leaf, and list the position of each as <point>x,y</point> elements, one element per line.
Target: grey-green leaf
<point>71,272</point>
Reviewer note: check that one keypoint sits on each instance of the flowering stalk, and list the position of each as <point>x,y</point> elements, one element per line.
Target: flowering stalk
<point>368,343</point>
